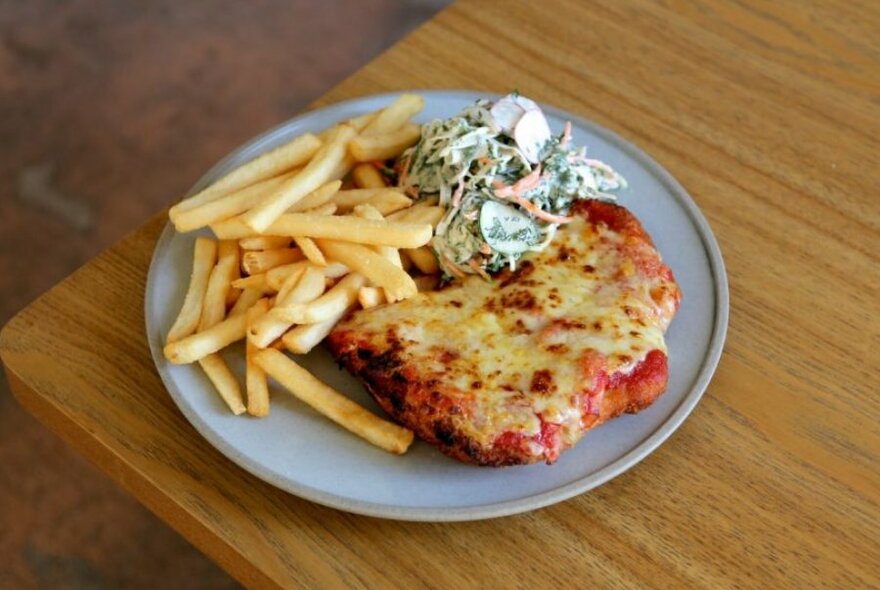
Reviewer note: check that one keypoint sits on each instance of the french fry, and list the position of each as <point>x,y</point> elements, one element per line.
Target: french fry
<point>232,229</point>
<point>309,287</point>
<point>256,384</point>
<point>393,117</point>
<point>294,153</point>
<point>228,205</point>
<point>387,252</point>
<point>201,344</point>
<point>327,401</point>
<point>235,228</point>
<point>311,251</point>
<point>256,282</point>
<point>290,282</point>
<point>219,285</point>
<point>381,147</point>
<point>259,218</point>
<point>336,300</point>
<point>349,199</point>
<point>264,242</point>
<point>335,270</point>
<point>230,248</point>
<point>367,211</point>
<point>405,261</point>
<point>311,225</point>
<point>353,229</point>
<point>419,214</point>
<point>224,382</point>
<point>343,167</point>
<point>204,256</point>
<point>317,197</point>
<point>424,259</point>
<point>325,209</point>
<point>430,201</point>
<point>246,300</point>
<point>390,254</point>
<point>255,262</point>
<point>371,297</point>
<point>389,202</point>
<point>358,258</point>
<point>316,173</point>
<point>427,282</point>
<point>302,339</point>
<point>276,322</point>
<point>275,278</point>
<point>359,123</point>
<point>366,176</point>
<point>397,216</point>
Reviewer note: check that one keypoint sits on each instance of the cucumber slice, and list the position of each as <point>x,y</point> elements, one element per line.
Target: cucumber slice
<point>506,229</point>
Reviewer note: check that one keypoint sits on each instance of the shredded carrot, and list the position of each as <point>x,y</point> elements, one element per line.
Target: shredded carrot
<point>526,183</point>
<point>456,196</point>
<point>540,213</point>
<point>453,268</point>
<point>401,179</point>
<point>566,135</point>
<point>478,269</point>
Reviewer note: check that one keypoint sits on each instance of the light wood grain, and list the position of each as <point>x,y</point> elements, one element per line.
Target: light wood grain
<point>768,114</point>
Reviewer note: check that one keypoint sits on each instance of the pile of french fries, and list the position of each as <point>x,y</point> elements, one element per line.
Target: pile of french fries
<point>304,234</point>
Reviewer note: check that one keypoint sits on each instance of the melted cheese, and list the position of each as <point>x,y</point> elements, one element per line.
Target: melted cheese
<point>521,348</point>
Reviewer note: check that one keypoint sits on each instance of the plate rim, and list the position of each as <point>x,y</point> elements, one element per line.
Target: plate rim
<point>635,455</point>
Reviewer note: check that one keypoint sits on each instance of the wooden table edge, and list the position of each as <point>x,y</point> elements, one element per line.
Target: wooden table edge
<point>140,487</point>
<point>121,472</point>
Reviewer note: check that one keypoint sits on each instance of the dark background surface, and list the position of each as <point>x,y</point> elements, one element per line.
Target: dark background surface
<point>109,111</point>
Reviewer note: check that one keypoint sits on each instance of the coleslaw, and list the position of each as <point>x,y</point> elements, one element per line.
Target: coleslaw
<point>506,182</point>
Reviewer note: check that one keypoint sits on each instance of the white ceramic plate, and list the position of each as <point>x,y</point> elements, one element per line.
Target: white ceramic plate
<point>301,452</point>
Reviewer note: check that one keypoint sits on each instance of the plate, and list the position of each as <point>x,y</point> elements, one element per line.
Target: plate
<point>301,452</point>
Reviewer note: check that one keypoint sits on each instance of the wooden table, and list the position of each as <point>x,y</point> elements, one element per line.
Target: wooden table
<point>768,114</point>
